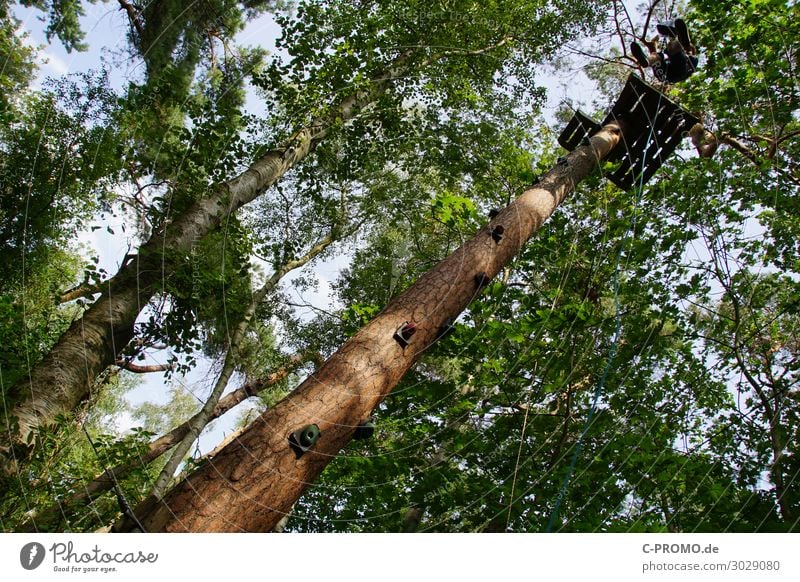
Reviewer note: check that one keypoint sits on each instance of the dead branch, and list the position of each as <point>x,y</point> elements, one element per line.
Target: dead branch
<point>133,16</point>
<point>85,289</point>
<point>144,369</point>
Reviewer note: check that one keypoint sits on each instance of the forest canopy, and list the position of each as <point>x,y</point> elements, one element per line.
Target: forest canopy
<point>201,222</point>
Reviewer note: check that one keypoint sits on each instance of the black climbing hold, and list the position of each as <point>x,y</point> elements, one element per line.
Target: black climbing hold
<point>404,333</point>
<point>364,430</point>
<point>497,233</point>
<point>482,280</point>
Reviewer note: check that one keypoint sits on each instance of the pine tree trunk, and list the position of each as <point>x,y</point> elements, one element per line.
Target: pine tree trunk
<point>253,482</point>
<point>63,379</point>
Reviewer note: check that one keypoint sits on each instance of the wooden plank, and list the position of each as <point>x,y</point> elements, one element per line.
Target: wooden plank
<point>578,128</point>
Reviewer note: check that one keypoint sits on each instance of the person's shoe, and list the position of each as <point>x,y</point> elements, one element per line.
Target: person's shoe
<point>639,55</point>
<point>667,28</point>
<point>682,33</point>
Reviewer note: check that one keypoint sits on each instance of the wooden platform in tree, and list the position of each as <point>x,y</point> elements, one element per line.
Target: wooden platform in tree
<point>654,125</point>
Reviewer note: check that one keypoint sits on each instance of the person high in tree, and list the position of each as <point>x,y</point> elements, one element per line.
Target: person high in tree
<point>677,61</point>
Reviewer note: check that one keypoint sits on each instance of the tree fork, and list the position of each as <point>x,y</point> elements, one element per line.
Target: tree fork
<point>63,378</point>
<point>254,481</point>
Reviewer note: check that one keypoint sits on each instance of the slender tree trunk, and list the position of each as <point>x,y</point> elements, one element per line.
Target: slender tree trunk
<point>776,470</point>
<point>253,482</point>
<point>778,457</point>
<point>200,420</point>
<point>281,525</point>
<point>63,378</point>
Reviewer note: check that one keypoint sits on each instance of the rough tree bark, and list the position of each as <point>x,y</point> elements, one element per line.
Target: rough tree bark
<point>58,383</point>
<point>253,482</point>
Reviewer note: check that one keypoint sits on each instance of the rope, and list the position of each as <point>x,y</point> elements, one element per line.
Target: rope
<point>614,342</point>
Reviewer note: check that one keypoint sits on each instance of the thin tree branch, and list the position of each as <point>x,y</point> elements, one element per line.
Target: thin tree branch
<point>597,57</point>
<point>85,289</point>
<point>133,16</point>
<point>463,52</point>
<point>728,139</point>
<point>650,12</point>
<point>144,369</point>
<point>619,29</point>
<point>748,153</point>
<point>202,418</point>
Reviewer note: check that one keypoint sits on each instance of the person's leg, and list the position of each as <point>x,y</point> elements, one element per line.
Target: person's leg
<point>654,60</point>
<point>652,44</point>
<point>660,66</point>
<point>678,66</point>
<point>674,48</point>
<point>645,59</point>
<point>666,28</point>
<point>682,33</point>
<point>639,54</point>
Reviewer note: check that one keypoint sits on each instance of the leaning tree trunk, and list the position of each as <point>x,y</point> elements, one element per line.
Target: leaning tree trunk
<point>58,383</point>
<point>253,482</point>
